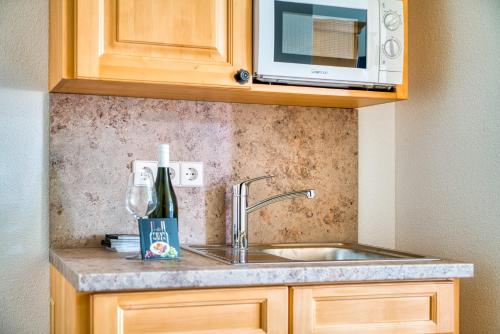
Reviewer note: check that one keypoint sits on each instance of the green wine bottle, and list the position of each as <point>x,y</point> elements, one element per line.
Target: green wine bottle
<point>167,201</point>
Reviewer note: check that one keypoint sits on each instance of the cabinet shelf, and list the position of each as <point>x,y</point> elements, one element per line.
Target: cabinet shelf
<point>256,94</point>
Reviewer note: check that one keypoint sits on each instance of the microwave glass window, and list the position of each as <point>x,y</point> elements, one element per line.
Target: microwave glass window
<point>320,35</point>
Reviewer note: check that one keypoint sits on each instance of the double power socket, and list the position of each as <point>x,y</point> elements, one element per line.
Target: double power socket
<point>182,173</point>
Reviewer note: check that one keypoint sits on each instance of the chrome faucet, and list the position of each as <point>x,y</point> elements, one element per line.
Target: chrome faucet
<point>239,233</point>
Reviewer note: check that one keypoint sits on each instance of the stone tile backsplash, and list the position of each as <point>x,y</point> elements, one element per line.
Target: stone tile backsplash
<point>93,140</point>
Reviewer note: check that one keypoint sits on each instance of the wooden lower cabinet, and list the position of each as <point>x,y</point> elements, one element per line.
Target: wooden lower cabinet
<point>375,308</point>
<point>382,308</point>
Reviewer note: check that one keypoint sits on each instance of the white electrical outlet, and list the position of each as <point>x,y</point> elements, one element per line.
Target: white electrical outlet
<point>175,173</point>
<point>175,169</point>
<point>182,174</point>
<point>137,165</point>
<point>191,174</point>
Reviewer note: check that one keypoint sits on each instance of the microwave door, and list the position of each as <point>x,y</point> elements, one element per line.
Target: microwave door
<point>331,41</point>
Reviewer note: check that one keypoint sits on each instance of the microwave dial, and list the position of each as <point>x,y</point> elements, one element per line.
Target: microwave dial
<point>392,20</point>
<point>392,48</point>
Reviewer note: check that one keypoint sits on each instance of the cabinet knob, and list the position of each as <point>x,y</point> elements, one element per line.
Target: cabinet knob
<point>242,76</point>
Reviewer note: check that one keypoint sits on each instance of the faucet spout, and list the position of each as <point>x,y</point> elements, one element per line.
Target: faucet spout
<point>241,209</point>
<point>278,198</point>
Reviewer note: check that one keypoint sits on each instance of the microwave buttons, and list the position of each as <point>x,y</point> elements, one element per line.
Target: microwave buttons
<point>392,20</point>
<point>392,48</point>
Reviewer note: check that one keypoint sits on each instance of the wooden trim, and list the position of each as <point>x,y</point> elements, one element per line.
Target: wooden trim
<point>61,42</point>
<point>70,310</point>
<point>55,49</point>
<point>457,306</point>
<point>402,90</point>
<point>290,310</point>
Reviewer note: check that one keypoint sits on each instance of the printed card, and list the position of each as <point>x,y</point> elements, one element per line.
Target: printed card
<point>159,239</point>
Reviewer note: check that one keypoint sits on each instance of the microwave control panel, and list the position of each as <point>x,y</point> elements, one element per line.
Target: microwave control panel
<point>392,34</point>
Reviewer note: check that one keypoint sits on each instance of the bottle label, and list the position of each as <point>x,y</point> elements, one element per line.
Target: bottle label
<point>159,239</point>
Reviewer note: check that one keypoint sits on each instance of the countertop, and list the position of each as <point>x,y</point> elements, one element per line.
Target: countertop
<point>99,270</point>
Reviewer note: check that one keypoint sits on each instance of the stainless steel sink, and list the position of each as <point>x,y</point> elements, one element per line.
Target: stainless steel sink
<point>286,253</point>
<point>324,254</point>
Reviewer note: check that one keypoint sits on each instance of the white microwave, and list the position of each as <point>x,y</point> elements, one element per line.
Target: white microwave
<point>332,43</point>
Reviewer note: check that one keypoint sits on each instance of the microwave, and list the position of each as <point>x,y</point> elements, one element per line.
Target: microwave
<point>330,43</point>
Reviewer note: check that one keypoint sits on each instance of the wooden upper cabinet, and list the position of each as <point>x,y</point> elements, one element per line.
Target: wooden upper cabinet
<point>189,42</point>
<point>176,49</point>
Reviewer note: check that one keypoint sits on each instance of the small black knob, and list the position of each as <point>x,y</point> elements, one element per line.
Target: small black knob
<point>242,76</point>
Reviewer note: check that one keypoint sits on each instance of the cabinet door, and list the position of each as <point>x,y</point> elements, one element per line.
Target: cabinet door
<point>398,308</point>
<point>218,311</point>
<point>198,42</point>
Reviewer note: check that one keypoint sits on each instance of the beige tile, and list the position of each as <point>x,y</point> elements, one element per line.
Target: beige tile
<point>94,139</point>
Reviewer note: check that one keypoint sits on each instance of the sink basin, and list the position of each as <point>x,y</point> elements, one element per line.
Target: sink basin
<point>287,253</point>
<point>326,254</point>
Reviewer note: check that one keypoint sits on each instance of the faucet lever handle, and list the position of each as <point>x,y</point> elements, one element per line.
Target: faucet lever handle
<point>264,177</point>
<point>242,187</point>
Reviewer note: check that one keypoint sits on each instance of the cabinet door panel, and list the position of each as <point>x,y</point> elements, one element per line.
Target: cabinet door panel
<point>399,308</point>
<point>200,42</point>
<point>224,311</point>
<point>158,22</point>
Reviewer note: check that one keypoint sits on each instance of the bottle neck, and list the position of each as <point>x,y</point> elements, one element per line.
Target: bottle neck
<point>163,155</point>
<point>163,162</point>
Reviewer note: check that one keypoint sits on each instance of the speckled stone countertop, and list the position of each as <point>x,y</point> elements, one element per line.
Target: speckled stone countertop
<point>98,270</point>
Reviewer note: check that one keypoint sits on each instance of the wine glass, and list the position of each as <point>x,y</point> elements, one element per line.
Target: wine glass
<point>141,199</point>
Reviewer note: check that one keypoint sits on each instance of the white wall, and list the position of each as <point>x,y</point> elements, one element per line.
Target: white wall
<point>24,282</point>
<point>376,192</point>
<point>448,148</point>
